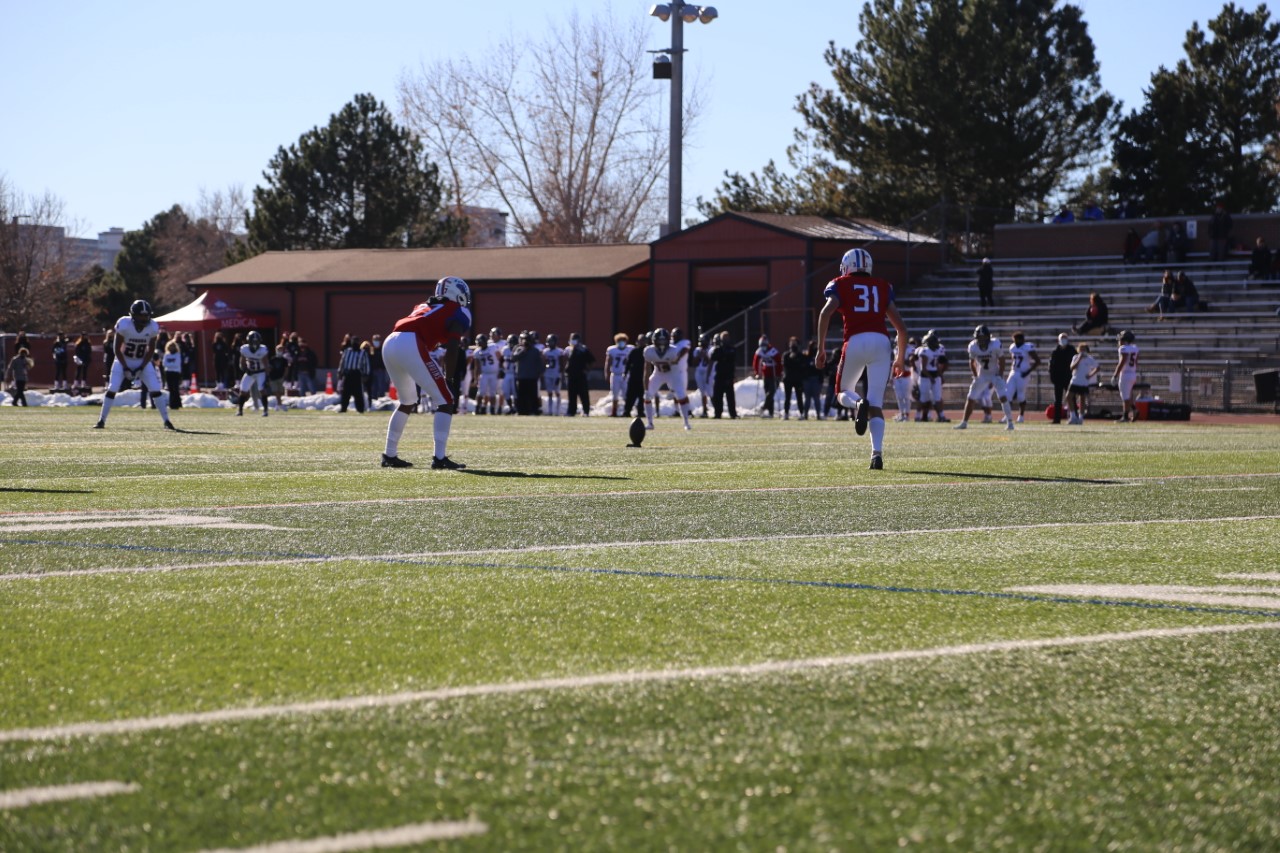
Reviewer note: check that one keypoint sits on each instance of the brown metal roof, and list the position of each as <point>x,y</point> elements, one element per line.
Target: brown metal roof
<point>836,228</point>
<point>524,263</point>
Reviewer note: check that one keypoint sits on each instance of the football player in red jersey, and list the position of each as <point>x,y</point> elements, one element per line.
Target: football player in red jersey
<point>863,302</point>
<point>443,320</point>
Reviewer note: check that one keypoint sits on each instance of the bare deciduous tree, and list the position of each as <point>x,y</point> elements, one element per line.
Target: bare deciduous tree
<point>566,134</point>
<point>41,287</point>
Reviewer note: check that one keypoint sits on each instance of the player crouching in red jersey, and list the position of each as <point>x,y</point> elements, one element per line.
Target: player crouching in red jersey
<point>443,320</point>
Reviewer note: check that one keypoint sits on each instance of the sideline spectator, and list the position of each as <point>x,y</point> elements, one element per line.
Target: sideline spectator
<point>1096,316</point>
<point>17,373</point>
<point>529,366</point>
<point>1260,261</point>
<point>379,379</point>
<point>635,377</point>
<point>1084,372</point>
<point>812,384</point>
<point>1093,213</point>
<point>794,370</point>
<point>1153,245</point>
<point>986,284</point>
<point>171,363</point>
<point>578,360</point>
<point>1132,247</point>
<point>1064,215</point>
<point>223,355</point>
<point>1219,232</point>
<point>723,357</point>
<point>82,356</point>
<point>1176,251</point>
<point>1060,373</point>
<point>304,367</point>
<point>61,352</point>
<point>277,369</point>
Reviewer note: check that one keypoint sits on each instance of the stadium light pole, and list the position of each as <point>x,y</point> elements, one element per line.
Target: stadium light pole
<point>679,14</point>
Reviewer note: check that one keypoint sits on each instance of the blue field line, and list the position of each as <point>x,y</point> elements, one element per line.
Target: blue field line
<point>861,587</point>
<point>635,573</point>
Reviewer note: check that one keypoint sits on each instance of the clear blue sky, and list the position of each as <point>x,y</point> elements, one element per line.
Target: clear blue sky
<point>122,110</point>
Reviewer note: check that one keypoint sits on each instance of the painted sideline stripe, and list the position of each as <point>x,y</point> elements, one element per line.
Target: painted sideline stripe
<point>20,799</point>
<point>611,679</point>
<point>293,557</point>
<point>377,839</point>
<point>1252,576</point>
<point>1218,596</point>
<point>623,493</point>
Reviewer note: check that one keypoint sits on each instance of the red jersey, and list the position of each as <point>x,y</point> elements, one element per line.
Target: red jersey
<point>864,299</point>
<point>435,325</point>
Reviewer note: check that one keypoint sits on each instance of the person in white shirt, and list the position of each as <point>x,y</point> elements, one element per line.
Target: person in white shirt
<point>1126,374</point>
<point>931,363</point>
<point>134,342</point>
<point>486,362</point>
<point>663,359</point>
<point>986,362</point>
<point>615,358</point>
<point>1023,361</point>
<point>1084,372</point>
<point>904,387</point>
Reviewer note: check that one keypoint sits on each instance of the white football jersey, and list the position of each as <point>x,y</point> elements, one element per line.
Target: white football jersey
<point>552,357</point>
<point>928,359</point>
<point>1020,357</point>
<point>616,357</point>
<point>255,360</point>
<point>662,362</point>
<point>138,343</point>
<point>1129,356</point>
<point>487,358</point>
<point>988,357</point>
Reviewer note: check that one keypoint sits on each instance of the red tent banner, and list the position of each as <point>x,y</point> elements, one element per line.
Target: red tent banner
<point>212,315</point>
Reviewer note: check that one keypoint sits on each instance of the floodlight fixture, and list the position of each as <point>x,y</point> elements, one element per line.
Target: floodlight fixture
<point>707,14</point>
<point>661,11</point>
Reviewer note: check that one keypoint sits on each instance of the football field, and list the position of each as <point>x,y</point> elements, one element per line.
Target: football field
<point>248,636</point>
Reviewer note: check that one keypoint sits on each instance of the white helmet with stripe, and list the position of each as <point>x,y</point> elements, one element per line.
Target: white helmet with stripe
<point>855,260</point>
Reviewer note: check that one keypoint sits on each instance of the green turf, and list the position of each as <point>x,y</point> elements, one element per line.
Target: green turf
<point>562,554</point>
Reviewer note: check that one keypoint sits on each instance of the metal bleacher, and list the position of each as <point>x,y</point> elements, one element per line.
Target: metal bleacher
<point>1205,359</point>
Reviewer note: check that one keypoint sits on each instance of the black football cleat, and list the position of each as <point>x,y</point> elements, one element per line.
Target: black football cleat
<point>877,462</point>
<point>445,464</point>
<point>100,425</point>
<point>169,425</point>
<point>395,462</point>
<point>860,417</point>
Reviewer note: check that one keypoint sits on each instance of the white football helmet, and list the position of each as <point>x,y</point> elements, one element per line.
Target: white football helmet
<point>454,289</point>
<point>855,260</point>
<point>254,339</point>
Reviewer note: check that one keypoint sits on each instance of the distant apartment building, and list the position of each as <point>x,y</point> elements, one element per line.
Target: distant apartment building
<point>487,227</point>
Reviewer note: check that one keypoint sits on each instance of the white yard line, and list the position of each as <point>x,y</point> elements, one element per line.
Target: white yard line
<point>21,799</point>
<point>1252,576</point>
<point>632,543</point>
<point>1215,596</point>
<point>376,839</point>
<point>766,668</point>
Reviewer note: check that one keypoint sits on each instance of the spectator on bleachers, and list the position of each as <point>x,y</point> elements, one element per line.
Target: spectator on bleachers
<point>1164,302</point>
<point>1176,251</point>
<point>1132,247</point>
<point>1185,296</point>
<point>1064,215</point>
<point>1153,245</point>
<point>986,284</point>
<point>1092,212</point>
<point>1219,233</point>
<point>1126,209</point>
<point>1260,261</point>
<point>1096,316</point>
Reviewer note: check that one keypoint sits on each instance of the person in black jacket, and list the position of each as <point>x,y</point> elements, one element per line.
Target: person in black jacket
<point>724,358</point>
<point>635,377</point>
<point>1060,373</point>
<point>578,359</point>
<point>794,370</point>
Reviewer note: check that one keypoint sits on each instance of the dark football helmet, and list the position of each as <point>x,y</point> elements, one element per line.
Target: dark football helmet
<point>661,340</point>
<point>1126,337</point>
<point>982,334</point>
<point>140,311</point>
<point>254,339</point>
<point>931,339</point>
<point>552,340</point>
<point>482,340</point>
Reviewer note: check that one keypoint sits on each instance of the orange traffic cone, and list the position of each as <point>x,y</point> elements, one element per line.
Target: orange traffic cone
<point>392,393</point>
<point>328,383</point>
<point>195,386</point>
